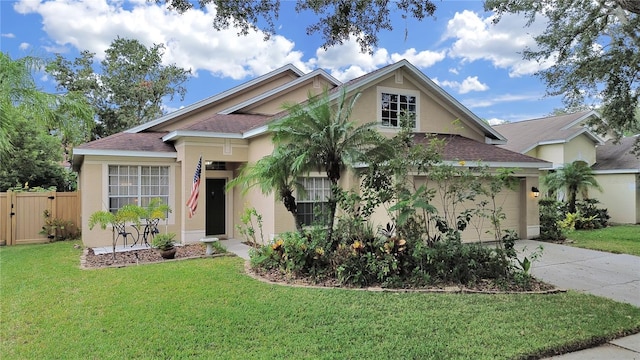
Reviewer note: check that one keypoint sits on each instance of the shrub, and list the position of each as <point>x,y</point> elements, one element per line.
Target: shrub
<point>57,229</point>
<point>591,217</point>
<point>551,212</point>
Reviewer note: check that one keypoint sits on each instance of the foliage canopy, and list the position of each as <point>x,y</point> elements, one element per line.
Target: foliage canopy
<point>130,87</point>
<point>338,21</point>
<point>67,117</point>
<point>595,46</point>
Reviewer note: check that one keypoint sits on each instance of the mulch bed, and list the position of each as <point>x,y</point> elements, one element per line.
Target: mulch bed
<point>483,287</point>
<point>145,256</point>
<point>136,257</point>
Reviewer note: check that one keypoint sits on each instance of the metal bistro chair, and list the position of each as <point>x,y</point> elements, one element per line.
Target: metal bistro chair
<point>149,230</point>
<point>121,230</point>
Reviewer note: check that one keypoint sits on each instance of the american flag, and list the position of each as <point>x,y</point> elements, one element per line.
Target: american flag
<point>192,203</point>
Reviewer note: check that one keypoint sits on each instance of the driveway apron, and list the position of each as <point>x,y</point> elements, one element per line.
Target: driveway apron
<point>614,276</point>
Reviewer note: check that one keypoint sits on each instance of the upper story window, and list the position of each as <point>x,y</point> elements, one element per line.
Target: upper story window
<point>395,101</point>
<point>136,184</point>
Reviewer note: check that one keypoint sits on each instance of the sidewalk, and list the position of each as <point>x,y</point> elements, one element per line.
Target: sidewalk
<point>614,276</point>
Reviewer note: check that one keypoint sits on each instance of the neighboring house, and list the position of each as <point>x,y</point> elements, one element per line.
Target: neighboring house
<point>228,130</point>
<point>564,139</point>
<point>559,139</point>
<point>618,172</point>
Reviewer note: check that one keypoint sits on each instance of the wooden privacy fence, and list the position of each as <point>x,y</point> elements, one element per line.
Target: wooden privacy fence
<point>22,214</point>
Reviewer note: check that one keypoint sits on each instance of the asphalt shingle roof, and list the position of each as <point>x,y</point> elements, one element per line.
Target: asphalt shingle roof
<point>143,141</point>
<point>229,123</point>
<point>613,156</point>
<point>460,148</point>
<point>524,135</point>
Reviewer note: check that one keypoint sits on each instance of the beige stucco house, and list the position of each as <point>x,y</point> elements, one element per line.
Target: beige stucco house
<point>566,138</point>
<point>158,159</point>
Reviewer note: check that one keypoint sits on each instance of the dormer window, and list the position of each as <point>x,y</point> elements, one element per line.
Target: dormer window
<point>395,101</point>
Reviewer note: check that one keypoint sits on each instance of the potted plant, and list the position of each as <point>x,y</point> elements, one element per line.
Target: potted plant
<point>165,245</point>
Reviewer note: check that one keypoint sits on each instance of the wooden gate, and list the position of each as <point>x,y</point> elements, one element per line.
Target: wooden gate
<point>22,214</point>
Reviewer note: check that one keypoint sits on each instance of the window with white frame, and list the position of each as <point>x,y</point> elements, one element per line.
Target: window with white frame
<point>314,203</point>
<point>393,103</point>
<point>137,184</point>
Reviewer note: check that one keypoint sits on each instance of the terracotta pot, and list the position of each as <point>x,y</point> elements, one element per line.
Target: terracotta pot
<point>168,254</point>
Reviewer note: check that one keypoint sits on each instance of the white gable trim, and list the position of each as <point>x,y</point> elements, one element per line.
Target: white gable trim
<point>214,98</point>
<point>430,85</point>
<point>280,89</point>
<point>581,119</point>
<point>130,153</point>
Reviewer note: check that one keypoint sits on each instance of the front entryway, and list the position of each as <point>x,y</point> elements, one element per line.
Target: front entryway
<point>216,207</point>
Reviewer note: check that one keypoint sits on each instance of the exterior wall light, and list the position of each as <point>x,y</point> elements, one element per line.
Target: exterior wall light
<point>535,191</point>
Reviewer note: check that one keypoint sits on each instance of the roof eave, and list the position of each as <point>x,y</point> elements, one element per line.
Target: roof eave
<point>176,134</point>
<point>616,171</point>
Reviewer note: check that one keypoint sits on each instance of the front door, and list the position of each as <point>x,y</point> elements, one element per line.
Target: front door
<point>216,207</point>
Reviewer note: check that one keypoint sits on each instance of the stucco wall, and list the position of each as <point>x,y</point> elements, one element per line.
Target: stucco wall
<point>433,115</point>
<point>580,148</point>
<point>553,153</point>
<point>618,192</point>
<point>93,183</point>
<point>519,206</point>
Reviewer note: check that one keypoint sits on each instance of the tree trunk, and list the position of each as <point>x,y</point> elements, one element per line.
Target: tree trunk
<point>572,199</point>
<point>289,202</point>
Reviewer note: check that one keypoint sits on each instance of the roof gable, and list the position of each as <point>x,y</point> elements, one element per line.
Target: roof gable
<point>523,136</point>
<point>287,70</point>
<point>370,79</point>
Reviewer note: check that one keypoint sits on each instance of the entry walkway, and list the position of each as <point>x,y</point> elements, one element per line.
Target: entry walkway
<point>237,247</point>
<point>614,276</point>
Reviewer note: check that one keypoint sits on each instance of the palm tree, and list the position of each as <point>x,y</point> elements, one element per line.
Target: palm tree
<point>67,115</point>
<point>574,177</point>
<point>320,136</point>
<point>272,173</point>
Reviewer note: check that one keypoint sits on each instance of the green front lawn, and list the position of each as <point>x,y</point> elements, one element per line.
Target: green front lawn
<point>620,239</point>
<point>208,308</point>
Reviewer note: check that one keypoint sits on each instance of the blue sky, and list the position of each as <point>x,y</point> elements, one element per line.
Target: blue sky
<point>459,48</point>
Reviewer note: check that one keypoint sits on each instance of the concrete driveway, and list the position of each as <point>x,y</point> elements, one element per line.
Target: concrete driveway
<point>614,276</point>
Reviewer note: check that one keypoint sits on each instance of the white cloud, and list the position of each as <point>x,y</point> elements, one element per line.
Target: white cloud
<point>423,59</point>
<point>496,121</point>
<point>191,42</point>
<point>339,60</point>
<point>8,35</point>
<point>477,38</point>
<point>24,46</point>
<point>471,83</point>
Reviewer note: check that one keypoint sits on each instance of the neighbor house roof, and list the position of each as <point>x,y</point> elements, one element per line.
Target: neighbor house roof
<point>523,136</point>
<point>617,157</point>
<point>459,148</point>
